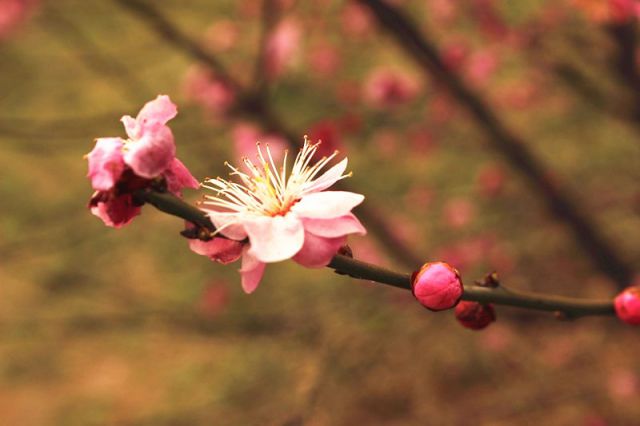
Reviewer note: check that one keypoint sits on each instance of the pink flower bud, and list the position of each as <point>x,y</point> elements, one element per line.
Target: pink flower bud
<point>627,305</point>
<point>437,286</point>
<point>474,315</point>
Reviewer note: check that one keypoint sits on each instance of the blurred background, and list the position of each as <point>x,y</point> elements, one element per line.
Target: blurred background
<point>507,140</point>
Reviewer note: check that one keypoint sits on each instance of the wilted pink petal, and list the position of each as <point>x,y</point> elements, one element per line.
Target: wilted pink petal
<point>437,286</point>
<point>318,251</point>
<point>327,204</point>
<point>251,272</point>
<point>179,177</point>
<point>274,239</point>
<point>105,163</point>
<point>335,227</point>
<point>218,249</point>
<point>282,46</point>
<point>114,211</point>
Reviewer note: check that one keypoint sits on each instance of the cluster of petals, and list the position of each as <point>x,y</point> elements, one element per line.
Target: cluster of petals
<point>275,214</point>
<point>118,167</point>
<point>437,286</point>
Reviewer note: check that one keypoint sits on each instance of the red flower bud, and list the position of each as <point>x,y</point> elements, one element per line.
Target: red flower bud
<point>474,315</point>
<point>627,305</point>
<point>437,286</point>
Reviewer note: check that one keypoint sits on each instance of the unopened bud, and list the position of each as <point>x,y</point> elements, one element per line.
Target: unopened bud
<point>437,286</point>
<point>627,305</point>
<point>474,315</point>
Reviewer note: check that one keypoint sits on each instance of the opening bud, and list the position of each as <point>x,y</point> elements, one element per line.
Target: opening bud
<point>474,315</point>
<point>627,305</point>
<point>437,286</point>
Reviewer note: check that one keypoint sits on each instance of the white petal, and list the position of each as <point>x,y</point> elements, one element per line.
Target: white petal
<point>328,178</point>
<point>327,204</point>
<point>274,238</point>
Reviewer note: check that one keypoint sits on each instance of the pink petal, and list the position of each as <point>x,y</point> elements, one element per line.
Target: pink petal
<point>327,204</point>
<point>114,211</point>
<point>152,154</point>
<point>328,178</point>
<point>179,177</point>
<point>105,163</point>
<point>251,272</point>
<point>274,238</point>
<point>228,224</point>
<point>332,228</point>
<point>318,251</point>
<point>218,249</point>
<point>160,110</point>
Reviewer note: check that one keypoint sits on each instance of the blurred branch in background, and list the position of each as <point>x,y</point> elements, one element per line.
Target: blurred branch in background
<point>256,106</point>
<point>560,201</point>
<point>95,58</point>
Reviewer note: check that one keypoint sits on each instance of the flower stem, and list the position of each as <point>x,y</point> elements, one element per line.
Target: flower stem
<point>566,306</point>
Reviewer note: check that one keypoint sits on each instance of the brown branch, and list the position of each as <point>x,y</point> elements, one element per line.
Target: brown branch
<point>560,202</point>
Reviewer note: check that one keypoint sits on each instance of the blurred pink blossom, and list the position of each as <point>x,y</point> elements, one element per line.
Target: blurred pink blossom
<point>356,20</point>
<point>13,13</point>
<point>490,180</point>
<point>283,217</point>
<point>623,384</point>
<point>326,132</point>
<point>608,11</point>
<point>245,136</point>
<point>324,60</point>
<point>214,299</point>
<point>488,19</point>
<point>386,88</point>
<point>213,94</point>
<point>222,35</point>
<point>458,212</point>
<point>281,47</point>
<point>443,11</point>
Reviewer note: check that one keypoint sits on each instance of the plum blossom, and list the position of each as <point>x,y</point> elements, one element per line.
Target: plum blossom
<point>119,167</point>
<point>283,214</point>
